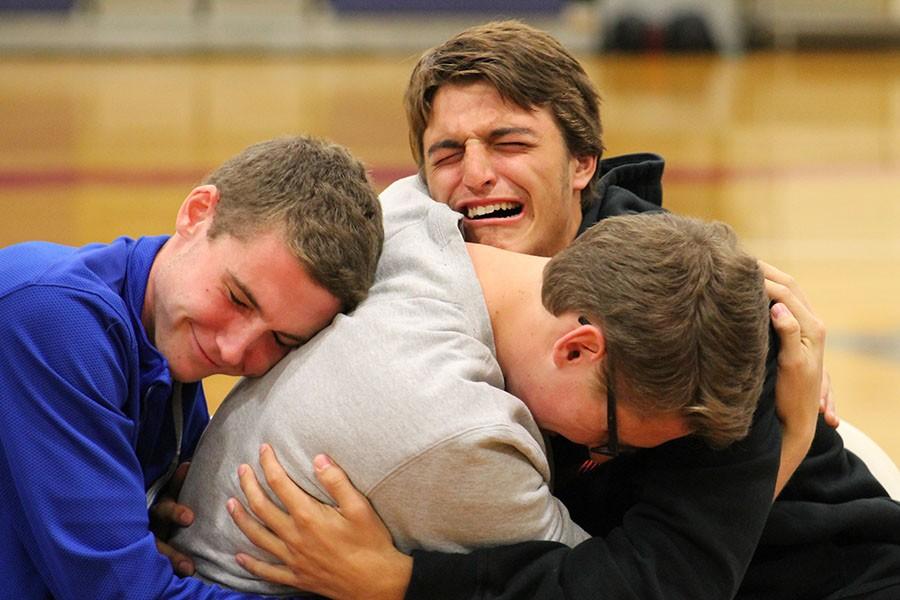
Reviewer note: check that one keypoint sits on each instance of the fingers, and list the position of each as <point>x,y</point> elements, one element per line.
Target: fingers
<point>261,505</point>
<point>828,405</point>
<point>778,276</point>
<point>254,530</point>
<point>169,512</point>
<point>264,570</point>
<point>811,328</point>
<point>781,293</point>
<point>291,495</point>
<point>781,287</point>
<point>339,486</point>
<point>181,563</point>
<point>333,552</point>
<point>165,514</point>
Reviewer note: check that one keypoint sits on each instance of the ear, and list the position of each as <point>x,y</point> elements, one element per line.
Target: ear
<point>197,210</point>
<point>583,345</point>
<point>584,168</point>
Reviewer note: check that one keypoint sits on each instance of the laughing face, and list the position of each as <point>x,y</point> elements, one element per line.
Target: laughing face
<point>505,168</point>
<point>228,305</point>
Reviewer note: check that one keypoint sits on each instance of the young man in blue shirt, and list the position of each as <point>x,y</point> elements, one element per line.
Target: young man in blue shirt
<point>104,348</point>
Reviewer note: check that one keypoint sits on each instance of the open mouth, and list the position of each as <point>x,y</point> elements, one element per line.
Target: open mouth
<point>498,210</point>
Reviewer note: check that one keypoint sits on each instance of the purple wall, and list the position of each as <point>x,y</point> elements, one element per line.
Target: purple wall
<point>486,6</point>
<point>36,5</point>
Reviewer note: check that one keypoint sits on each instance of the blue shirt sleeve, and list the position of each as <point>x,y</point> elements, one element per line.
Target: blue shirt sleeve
<point>73,521</point>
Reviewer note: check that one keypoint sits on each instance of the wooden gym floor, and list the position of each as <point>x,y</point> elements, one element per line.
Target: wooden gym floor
<point>800,153</point>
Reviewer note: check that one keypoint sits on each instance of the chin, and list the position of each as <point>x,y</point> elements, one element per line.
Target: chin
<point>515,244</point>
<point>185,375</point>
<point>503,244</point>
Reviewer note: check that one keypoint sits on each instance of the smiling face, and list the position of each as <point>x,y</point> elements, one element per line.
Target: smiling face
<point>226,305</point>
<point>505,168</point>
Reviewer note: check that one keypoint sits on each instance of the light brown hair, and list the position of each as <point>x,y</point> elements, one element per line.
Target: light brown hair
<point>527,66</point>
<point>684,313</point>
<point>318,194</point>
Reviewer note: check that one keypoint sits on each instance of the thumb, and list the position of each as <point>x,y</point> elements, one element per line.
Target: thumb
<point>337,484</point>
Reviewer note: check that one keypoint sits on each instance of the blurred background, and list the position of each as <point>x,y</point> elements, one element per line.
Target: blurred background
<point>780,118</point>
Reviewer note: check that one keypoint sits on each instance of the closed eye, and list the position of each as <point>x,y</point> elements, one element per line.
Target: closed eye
<point>285,342</point>
<point>446,158</point>
<point>514,145</point>
<point>237,301</point>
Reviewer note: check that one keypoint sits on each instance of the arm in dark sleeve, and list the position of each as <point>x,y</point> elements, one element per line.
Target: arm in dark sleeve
<point>678,521</point>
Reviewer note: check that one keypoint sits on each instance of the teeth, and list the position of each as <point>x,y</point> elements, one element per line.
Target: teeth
<point>477,211</point>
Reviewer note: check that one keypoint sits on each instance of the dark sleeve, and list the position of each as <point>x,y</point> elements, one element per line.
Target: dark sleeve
<point>833,527</point>
<point>616,201</point>
<point>677,521</point>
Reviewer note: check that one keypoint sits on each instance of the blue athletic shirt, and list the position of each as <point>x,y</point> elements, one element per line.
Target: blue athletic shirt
<point>86,425</point>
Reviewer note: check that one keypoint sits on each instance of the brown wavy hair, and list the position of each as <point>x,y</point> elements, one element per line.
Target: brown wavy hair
<point>527,66</point>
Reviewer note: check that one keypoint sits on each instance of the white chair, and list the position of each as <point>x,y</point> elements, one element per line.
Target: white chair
<point>879,463</point>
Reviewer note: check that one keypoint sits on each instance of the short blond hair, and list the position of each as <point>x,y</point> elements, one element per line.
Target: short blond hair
<point>317,193</point>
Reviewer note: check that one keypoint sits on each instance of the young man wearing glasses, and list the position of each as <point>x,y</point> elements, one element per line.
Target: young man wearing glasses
<point>417,392</point>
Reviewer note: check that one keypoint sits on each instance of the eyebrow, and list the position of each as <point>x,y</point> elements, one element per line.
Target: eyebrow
<point>299,339</point>
<point>493,135</point>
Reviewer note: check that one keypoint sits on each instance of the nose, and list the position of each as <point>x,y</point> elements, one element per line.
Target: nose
<point>479,175</point>
<point>237,345</point>
<point>249,350</point>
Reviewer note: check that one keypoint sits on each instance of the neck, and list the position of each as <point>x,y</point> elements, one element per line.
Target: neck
<point>511,284</point>
<point>148,312</point>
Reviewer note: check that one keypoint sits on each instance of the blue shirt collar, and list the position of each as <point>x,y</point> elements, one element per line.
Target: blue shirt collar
<point>141,255</point>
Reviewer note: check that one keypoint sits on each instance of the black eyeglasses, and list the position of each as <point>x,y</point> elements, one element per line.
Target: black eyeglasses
<point>611,448</point>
